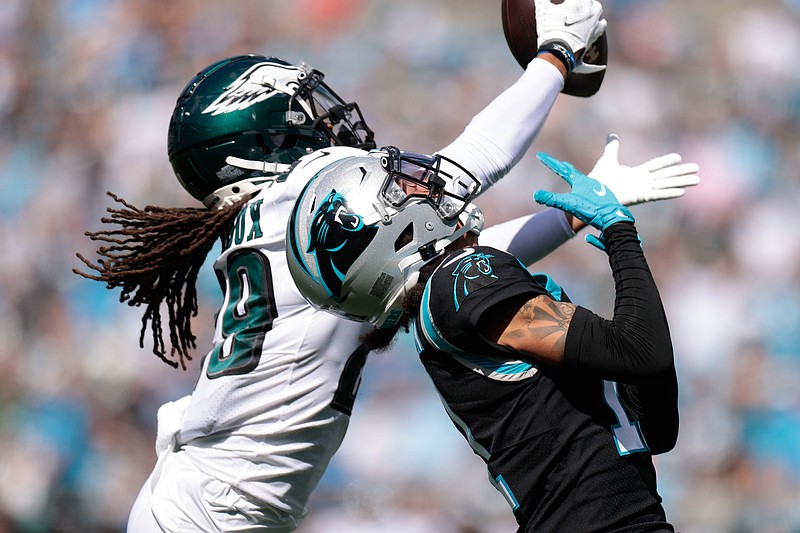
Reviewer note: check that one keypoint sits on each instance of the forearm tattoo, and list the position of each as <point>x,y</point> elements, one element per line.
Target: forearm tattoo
<point>547,320</point>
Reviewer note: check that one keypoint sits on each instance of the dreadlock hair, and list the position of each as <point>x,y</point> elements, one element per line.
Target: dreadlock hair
<point>155,257</point>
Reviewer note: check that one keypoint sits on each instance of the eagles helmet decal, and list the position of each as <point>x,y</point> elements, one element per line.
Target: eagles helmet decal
<point>246,91</point>
<point>255,85</point>
<point>471,272</point>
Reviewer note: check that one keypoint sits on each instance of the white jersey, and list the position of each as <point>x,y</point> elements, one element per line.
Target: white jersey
<point>273,399</point>
<point>274,395</point>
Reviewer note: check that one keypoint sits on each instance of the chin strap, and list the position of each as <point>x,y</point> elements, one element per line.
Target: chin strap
<point>233,192</point>
<point>471,220</point>
<point>224,197</point>
<point>262,166</point>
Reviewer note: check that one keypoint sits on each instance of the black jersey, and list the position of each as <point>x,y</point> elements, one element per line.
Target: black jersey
<point>558,444</point>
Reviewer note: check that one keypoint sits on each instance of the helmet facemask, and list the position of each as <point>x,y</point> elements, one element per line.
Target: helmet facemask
<point>341,122</point>
<point>414,176</point>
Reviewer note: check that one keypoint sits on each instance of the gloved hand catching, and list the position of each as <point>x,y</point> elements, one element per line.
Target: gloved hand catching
<point>577,24</point>
<point>589,200</point>
<point>660,178</point>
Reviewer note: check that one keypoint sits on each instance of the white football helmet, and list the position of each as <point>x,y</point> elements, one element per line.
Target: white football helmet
<point>367,222</point>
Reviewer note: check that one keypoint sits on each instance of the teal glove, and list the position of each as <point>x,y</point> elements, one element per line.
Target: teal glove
<point>589,200</point>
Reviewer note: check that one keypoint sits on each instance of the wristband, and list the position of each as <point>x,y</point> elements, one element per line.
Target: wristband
<point>562,53</point>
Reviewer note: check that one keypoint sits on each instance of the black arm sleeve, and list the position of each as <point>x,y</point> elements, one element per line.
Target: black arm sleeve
<point>655,405</point>
<point>634,348</point>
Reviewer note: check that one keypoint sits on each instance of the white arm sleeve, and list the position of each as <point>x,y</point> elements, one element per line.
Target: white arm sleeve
<point>531,237</point>
<point>498,136</point>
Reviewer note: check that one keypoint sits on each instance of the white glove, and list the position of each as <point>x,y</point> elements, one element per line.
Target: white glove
<point>576,23</point>
<point>170,417</point>
<point>587,68</point>
<point>660,178</point>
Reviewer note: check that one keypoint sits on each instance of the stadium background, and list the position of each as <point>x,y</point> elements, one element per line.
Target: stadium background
<point>86,90</point>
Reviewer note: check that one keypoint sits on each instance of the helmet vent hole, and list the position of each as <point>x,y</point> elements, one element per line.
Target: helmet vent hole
<point>235,190</point>
<point>262,145</point>
<point>404,238</point>
<point>284,142</point>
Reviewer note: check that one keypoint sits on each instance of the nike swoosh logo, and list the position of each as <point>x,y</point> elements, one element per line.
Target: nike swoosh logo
<point>568,22</point>
<point>601,192</point>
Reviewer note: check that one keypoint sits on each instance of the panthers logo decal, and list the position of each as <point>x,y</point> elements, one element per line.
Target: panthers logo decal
<point>337,238</point>
<point>471,273</point>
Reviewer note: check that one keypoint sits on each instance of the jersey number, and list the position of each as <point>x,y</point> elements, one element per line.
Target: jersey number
<point>248,315</point>
<point>626,433</point>
<point>349,381</point>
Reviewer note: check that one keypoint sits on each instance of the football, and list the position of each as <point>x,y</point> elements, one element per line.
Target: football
<point>519,28</point>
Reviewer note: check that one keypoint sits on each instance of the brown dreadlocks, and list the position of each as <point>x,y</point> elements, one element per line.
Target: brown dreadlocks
<point>155,257</point>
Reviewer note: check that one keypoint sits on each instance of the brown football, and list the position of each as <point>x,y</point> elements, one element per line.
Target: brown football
<point>519,28</point>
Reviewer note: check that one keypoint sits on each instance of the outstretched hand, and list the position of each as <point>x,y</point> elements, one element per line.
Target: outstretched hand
<point>589,200</point>
<point>574,23</point>
<point>660,178</point>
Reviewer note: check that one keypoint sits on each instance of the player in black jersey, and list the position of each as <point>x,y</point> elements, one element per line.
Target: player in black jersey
<point>565,407</point>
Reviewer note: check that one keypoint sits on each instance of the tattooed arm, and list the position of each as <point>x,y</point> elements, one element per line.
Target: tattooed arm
<point>535,326</point>
<point>633,347</point>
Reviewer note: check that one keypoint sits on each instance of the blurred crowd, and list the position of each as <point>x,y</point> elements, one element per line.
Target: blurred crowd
<point>86,91</point>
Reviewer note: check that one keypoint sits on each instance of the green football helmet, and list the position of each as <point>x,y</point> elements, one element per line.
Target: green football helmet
<point>243,121</point>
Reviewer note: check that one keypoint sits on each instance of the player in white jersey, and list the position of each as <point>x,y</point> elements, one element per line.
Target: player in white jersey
<point>273,399</point>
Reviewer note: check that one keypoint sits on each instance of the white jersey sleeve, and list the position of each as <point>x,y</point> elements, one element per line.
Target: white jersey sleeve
<point>531,237</point>
<point>498,136</point>
<point>496,139</point>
